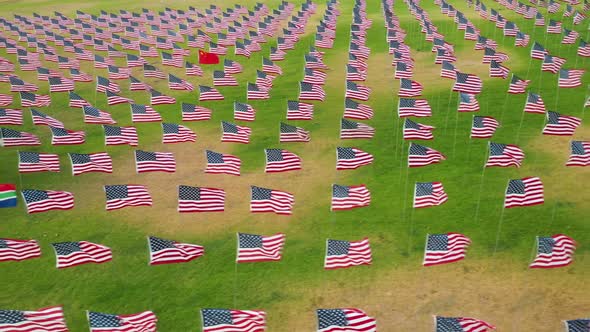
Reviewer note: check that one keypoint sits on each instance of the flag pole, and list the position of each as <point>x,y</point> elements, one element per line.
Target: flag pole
<point>236,272</point>
<point>456,125</point>
<point>500,223</point>
<point>411,232</point>
<point>480,188</point>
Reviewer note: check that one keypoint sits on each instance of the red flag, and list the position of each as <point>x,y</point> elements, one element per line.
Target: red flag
<point>207,58</point>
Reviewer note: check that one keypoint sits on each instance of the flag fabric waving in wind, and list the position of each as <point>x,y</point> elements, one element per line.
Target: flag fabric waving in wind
<point>345,320</point>
<point>140,322</point>
<point>70,254</point>
<point>352,158</point>
<point>429,194</point>
<point>461,324</point>
<point>445,248</point>
<point>343,254</point>
<point>168,252</point>
<point>45,200</point>
<point>258,248</point>
<point>580,154</point>
<point>18,250</point>
<point>200,199</point>
<point>217,320</point>
<point>504,155</point>
<point>350,197</point>
<point>45,319</point>
<point>524,192</point>
<point>37,162</point>
<point>419,156</point>
<point>220,163</point>
<point>279,160</point>
<point>270,200</point>
<point>120,196</point>
<point>554,251</point>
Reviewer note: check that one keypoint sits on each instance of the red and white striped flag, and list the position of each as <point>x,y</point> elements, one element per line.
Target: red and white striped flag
<point>219,163</point>
<point>70,254</point>
<point>92,162</point>
<point>279,160</point>
<point>580,154</point>
<point>258,248</point>
<point>154,162</point>
<point>419,156</point>
<point>484,126</point>
<point>45,319</point>
<point>168,252</point>
<point>61,136</point>
<point>343,254</point>
<point>428,194</point>
<point>352,158</point>
<point>445,248</point>
<point>350,197</point>
<point>524,192</point>
<point>120,196</point>
<point>461,324</point>
<point>143,321</point>
<point>560,125</point>
<point>37,162</point>
<point>345,320</point>
<point>271,200</point>
<point>200,199</point>
<point>555,251</point>
<point>18,250</point>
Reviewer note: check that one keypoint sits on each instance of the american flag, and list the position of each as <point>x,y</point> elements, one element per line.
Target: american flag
<point>314,62</point>
<point>290,133</point>
<point>200,199</point>
<point>191,112</point>
<point>134,61</point>
<point>10,137</point>
<point>221,78</point>
<point>143,321</point>
<point>263,80</point>
<point>154,162</point>
<point>120,196</point>
<point>37,162</point>
<point>244,112</point>
<point>584,48</point>
<point>167,252</point>
<point>172,60</point>
<point>484,126</point>
<point>560,125</point>
<point>538,51</point>
<point>552,64</point>
<point>429,194</point>
<point>419,156</point>
<point>269,200</point>
<point>445,248</point>
<point>534,104</point>
<point>77,101</point>
<point>414,130</point>
<point>554,27</point>
<point>18,250</point>
<point>61,136</point>
<point>297,110</point>
<point>580,154</point>
<point>352,158</point>
<point>45,319</point>
<point>497,70</point>
<point>345,319</point>
<point>192,70</point>
<point>492,55</point>
<point>103,84</point>
<point>518,85</point>
<point>42,119</point>
<point>28,99</point>
<point>216,320</point>
<point>78,76</point>
<point>120,135</point>
<point>352,130</point>
<point>467,103</point>
<point>468,83</point>
<point>116,73</point>
<point>350,197</point>
<point>522,39</point>
<point>258,248</point>
<point>115,99</point>
<point>45,200</point>
<point>18,85</point>
<point>270,67</point>
<point>414,107</point>
<point>70,254</point>
<point>402,70</point>
<point>219,163</point>
<point>570,78</point>
<point>57,84</point>
<point>356,91</point>
<point>176,83</point>
<point>232,67</point>
<point>461,324</point>
<point>577,325</point>
<point>504,155</point>
<point>308,91</point>
<point>153,72</point>
<point>319,78</point>
<point>447,70</point>
<point>358,111</point>
<point>409,88</point>
<point>254,92</point>
<point>144,113</point>
<point>569,36</point>
<point>11,116</point>
<point>524,192</point>
<point>242,50</point>
<point>208,93</point>
<point>5,100</point>
<point>175,133</point>
<point>234,133</point>
<point>92,162</point>
<point>343,254</point>
<point>278,160</point>
<point>157,98</point>
<point>93,115</point>
<point>554,251</point>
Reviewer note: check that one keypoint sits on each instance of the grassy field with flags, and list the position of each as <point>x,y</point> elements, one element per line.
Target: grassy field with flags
<point>494,281</point>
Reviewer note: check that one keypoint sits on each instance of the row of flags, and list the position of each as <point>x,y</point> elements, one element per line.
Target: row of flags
<point>215,319</point>
<point>553,251</point>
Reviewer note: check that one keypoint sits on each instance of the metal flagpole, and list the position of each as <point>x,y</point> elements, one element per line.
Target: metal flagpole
<point>500,224</point>
<point>456,125</point>
<point>236,271</point>
<point>480,188</point>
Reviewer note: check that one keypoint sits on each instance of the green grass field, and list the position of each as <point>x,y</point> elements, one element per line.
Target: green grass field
<point>493,283</point>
